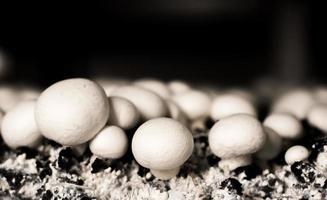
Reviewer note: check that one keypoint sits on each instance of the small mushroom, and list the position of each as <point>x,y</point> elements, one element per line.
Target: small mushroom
<point>19,128</point>
<point>235,137</point>
<point>72,111</point>
<point>111,143</point>
<point>322,160</point>
<point>295,154</point>
<point>162,145</point>
<point>296,102</point>
<point>195,104</point>
<point>149,104</point>
<point>123,113</point>
<point>317,117</point>
<point>230,104</point>
<point>156,86</point>
<point>284,124</point>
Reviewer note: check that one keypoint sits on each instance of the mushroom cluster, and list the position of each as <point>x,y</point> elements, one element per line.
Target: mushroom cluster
<point>158,121</point>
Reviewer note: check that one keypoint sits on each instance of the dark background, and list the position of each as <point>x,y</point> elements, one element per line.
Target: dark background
<point>220,41</point>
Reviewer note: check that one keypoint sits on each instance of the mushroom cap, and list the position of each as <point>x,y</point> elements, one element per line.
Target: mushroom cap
<point>178,86</point>
<point>149,104</point>
<point>156,86</point>
<point>236,135</point>
<point>317,117</point>
<point>230,104</point>
<point>230,164</point>
<point>110,142</point>
<point>19,127</point>
<point>284,124</point>
<point>162,144</point>
<point>295,154</point>
<point>296,102</point>
<point>195,104</point>
<point>322,160</point>
<point>72,111</point>
<point>123,113</point>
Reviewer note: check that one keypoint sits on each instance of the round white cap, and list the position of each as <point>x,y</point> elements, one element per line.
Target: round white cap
<point>18,126</point>
<point>72,111</point>
<point>123,113</point>
<point>149,104</point>
<point>195,104</point>
<point>162,144</point>
<point>111,142</point>
<point>295,154</point>
<point>296,102</point>
<point>177,86</point>
<point>230,104</point>
<point>284,124</point>
<point>236,135</point>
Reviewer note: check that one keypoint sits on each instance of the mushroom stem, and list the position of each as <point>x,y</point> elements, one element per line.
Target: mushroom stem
<point>165,174</point>
<point>79,150</point>
<point>229,164</point>
<point>198,125</point>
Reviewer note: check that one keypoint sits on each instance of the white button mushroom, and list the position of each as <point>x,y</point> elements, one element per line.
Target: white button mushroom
<point>156,86</point>
<point>111,143</point>
<point>284,124</point>
<point>162,145</point>
<point>236,136</point>
<point>235,162</point>
<point>322,160</point>
<point>178,86</point>
<point>123,113</point>
<point>317,117</point>
<point>72,111</point>
<point>295,154</point>
<point>147,103</point>
<point>19,128</point>
<point>195,104</point>
<point>230,104</point>
<point>272,147</point>
<point>296,102</point>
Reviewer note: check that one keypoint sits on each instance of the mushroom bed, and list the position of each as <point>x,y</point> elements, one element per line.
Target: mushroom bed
<point>55,172</point>
<point>148,139</point>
